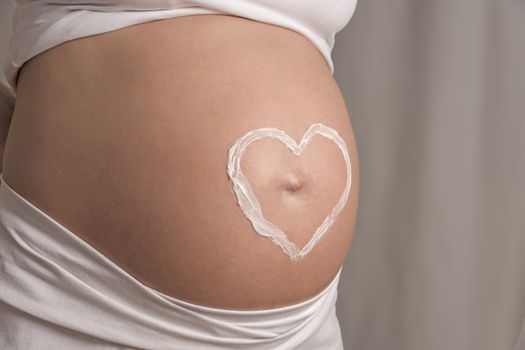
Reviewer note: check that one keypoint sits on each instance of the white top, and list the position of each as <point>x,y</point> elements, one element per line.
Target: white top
<point>39,25</point>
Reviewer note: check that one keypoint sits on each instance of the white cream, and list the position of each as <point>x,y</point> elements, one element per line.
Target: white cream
<point>249,203</point>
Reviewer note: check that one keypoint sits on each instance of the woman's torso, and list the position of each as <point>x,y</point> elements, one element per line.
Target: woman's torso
<point>123,138</point>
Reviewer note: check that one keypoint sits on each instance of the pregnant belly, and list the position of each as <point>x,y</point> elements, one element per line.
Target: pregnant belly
<point>124,139</point>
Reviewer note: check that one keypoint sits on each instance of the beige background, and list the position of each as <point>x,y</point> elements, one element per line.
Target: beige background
<point>436,93</point>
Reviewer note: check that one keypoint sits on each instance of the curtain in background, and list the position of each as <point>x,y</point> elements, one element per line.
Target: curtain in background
<point>436,93</point>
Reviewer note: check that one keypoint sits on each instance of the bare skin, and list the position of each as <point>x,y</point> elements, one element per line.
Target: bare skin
<point>123,138</point>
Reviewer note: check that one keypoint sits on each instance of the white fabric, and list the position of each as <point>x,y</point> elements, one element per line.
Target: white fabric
<point>58,292</point>
<point>41,24</point>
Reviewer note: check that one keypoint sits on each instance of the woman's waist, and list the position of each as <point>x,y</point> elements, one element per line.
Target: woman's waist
<point>135,162</point>
<point>160,190</point>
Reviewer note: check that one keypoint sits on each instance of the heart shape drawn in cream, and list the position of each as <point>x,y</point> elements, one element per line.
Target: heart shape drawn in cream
<point>249,203</point>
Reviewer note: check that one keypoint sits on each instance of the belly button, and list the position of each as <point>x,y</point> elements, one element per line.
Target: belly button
<point>293,185</point>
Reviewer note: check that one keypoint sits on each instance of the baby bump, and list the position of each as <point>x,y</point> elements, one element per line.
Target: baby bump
<point>224,173</point>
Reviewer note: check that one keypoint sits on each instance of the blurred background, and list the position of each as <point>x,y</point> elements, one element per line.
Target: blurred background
<point>436,94</point>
